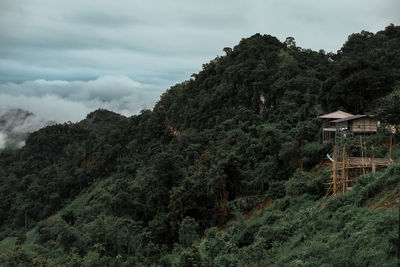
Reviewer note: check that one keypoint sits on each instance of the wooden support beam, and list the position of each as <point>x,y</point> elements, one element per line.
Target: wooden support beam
<point>334,172</point>
<point>343,174</point>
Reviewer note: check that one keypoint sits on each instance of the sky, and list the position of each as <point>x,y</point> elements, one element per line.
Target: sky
<point>62,59</point>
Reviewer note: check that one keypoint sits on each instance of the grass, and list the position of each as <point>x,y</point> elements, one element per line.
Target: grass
<point>8,243</point>
<point>30,238</point>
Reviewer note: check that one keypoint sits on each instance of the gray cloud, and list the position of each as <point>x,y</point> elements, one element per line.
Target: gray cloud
<point>73,40</point>
<point>72,100</point>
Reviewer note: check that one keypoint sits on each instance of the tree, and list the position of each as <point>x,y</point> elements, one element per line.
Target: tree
<point>389,109</point>
<point>290,42</point>
<point>188,232</point>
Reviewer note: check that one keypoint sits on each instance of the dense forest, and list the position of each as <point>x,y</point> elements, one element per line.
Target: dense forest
<point>223,171</point>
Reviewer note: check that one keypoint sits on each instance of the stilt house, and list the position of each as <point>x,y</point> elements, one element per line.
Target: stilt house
<point>339,124</point>
<point>345,168</point>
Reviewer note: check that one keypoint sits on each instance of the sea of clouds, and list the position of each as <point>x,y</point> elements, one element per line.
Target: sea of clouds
<point>31,105</point>
<point>72,100</point>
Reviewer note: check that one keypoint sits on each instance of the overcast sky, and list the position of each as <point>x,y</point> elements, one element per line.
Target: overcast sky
<point>64,58</point>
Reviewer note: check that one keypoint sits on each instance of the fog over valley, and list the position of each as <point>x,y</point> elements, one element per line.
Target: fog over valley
<point>16,124</point>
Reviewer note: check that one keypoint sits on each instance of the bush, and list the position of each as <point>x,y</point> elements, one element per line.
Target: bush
<point>312,153</point>
<point>188,232</point>
<point>304,183</point>
<point>276,189</point>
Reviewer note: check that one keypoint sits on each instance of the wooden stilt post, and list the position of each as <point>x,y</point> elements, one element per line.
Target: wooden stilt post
<point>334,172</point>
<point>362,154</point>
<point>373,152</point>
<point>343,170</point>
<point>373,161</point>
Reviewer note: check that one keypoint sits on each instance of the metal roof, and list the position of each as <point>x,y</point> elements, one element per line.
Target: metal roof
<point>336,115</point>
<point>350,118</point>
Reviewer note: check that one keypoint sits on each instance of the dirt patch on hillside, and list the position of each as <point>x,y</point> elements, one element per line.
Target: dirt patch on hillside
<point>384,200</point>
<point>265,204</point>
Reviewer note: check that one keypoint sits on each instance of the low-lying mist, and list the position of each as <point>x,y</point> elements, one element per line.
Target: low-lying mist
<point>16,124</point>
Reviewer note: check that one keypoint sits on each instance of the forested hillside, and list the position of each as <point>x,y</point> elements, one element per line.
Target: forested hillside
<point>223,171</point>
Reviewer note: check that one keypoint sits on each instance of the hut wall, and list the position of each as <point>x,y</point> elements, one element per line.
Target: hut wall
<point>364,125</point>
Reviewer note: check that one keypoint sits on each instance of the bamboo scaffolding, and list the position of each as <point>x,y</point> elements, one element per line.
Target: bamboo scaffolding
<point>346,169</point>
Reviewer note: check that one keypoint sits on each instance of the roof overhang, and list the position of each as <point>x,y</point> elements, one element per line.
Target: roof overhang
<point>336,115</point>
<point>354,117</point>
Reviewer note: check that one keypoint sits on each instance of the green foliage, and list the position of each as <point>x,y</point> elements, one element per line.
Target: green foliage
<point>313,152</point>
<point>8,242</point>
<point>189,257</point>
<point>312,233</point>
<point>188,232</point>
<point>303,183</point>
<point>190,183</point>
<point>389,108</point>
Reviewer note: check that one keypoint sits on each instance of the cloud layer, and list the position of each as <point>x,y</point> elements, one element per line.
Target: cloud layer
<point>72,100</point>
<point>163,42</point>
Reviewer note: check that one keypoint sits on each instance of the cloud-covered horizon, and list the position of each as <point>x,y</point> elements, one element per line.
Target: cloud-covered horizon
<point>72,100</point>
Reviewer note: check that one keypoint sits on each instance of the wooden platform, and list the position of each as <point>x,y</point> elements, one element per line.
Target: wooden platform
<point>345,173</point>
<point>363,162</point>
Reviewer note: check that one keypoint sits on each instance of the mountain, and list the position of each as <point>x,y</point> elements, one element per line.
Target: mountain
<point>223,171</point>
<point>16,124</point>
